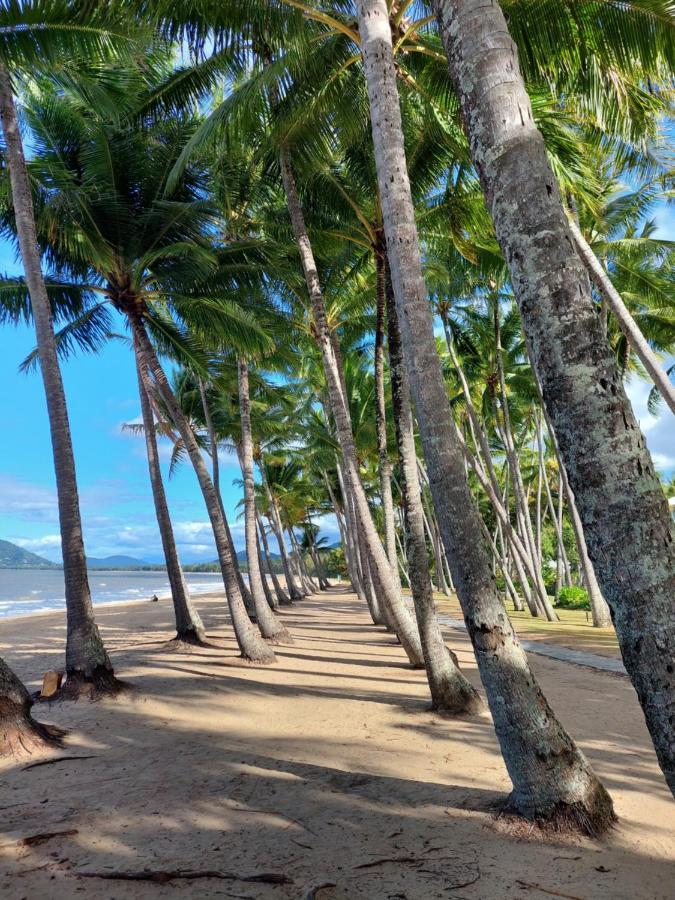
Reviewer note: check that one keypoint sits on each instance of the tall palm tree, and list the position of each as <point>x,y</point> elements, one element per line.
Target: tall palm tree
<point>189,627</point>
<point>628,526</point>
<point>138,246</point>
<point>37,36</point>
<point>561,781</point>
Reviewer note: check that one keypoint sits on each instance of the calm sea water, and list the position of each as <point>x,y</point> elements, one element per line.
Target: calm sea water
<point>25,591</point>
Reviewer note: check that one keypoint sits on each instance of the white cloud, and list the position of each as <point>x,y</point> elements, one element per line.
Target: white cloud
<point>26,501</point>
<point>659,430</point>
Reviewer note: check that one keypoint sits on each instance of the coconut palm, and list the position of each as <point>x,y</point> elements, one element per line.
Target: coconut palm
<point>138,245</point>
<point>39,36</point>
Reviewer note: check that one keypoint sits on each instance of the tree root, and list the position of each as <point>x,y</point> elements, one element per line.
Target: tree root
<point>592,818</point>
<point>101,683</point>
<point>21,735</point>
<point>162,877</point>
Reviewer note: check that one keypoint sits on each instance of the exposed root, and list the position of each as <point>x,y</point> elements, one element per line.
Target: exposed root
<point>191,638</point>
<point>592,818</point>
<point>102,683</point>
<point>21,735</point>
<point>162,877</point>
<point>265,657</point>
<point>281,637</point>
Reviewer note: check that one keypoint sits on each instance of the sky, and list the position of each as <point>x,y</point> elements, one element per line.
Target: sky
<point>115,495</point>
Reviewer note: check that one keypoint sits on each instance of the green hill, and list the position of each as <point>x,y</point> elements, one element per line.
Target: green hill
<point>13,557</point>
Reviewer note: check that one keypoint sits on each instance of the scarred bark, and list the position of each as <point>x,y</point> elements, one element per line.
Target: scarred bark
<point>626,520</point>
<point>270,627</point>
<point>189,626</point>
<point>86,658</point>
<point>552,780</point>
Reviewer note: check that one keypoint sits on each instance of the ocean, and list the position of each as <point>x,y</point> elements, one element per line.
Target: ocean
<point>25,591</point>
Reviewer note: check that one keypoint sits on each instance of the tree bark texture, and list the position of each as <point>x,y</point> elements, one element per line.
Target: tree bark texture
<point>626,520</point>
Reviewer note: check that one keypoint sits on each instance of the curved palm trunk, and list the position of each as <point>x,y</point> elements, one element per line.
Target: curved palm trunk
<point>381,421</point>
<point>251,645</point>
<point>627,323</point>
<point>282,596</point>
<point>450,691</point>
<point>19,732</point>
<point>272,601</point>
<point>215,477</point>
<point>86,657</point>
<point>277,528</point>
<point>189,625</point>
<point>599,607</point>
<point>332,367</point>
<point>626,520</point>
<point>270,627</point>
<point>552,780</point>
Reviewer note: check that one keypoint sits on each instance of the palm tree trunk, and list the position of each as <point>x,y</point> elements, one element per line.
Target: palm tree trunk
<point>86,656</point>
<point>251,645</point>
<point>552,779</point>
<point>20,734</point>
<point>450,690</point>
<point>189,626</point>
<point>518,485</point>
<point>282,597</point>
<point>626,520</point>
<point>270,627</point>
<point>272,601</point>
<point>277,528</point>
<point>381,420</point>
<point>627,323</point>
<point>215,476</point>
<point>332,366</point>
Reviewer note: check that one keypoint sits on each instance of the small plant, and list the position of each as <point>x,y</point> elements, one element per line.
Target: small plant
<point>573,598</point>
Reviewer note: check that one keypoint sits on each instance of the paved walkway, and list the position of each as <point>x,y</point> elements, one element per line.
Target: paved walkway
<point>556,651</point>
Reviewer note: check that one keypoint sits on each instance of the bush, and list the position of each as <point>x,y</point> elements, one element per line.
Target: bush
<point>573,598</point>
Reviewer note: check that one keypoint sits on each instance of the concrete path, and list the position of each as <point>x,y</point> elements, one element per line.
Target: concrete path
<point>555,651</point>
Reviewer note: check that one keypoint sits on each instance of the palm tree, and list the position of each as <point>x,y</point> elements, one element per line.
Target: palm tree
<point>35,37</point>
<point>627,523</point>
<point>270,626</point>
<point>189,627</point>
<point>20,733</point>
<point>561,781</point>
<point>138,245</point>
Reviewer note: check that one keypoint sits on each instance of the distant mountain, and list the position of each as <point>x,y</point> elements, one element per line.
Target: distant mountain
<point>13,557</point>
<point>116,562</point>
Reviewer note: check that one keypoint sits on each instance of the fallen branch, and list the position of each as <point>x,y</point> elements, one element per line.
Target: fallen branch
<point>58,759</point>
<point>538,887</point>
<point>34,839</point>
<point>409,860</point>
<point>161,877</point>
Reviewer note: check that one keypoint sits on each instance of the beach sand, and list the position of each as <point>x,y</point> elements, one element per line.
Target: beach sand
<point>327,768</point>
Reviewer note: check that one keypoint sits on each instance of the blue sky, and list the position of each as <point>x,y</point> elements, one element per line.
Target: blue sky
<point>115,496</point>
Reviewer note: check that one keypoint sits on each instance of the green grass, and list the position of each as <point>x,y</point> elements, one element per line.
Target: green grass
<point>575,628</point>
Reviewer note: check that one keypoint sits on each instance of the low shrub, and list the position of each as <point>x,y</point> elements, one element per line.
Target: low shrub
<point>573,598</point>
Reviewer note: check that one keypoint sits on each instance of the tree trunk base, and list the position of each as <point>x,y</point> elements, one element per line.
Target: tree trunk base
<point>592,817</point>
<point>281,637</point>
<point>192,637</point>
<point>101,683</point>
<point>261,657</point>
<point>21,735</point>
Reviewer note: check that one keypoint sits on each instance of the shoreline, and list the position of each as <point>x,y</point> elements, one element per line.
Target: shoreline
<point>136,601</point>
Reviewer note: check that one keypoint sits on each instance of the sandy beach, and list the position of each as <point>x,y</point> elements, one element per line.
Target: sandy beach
<point>323,777</point>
